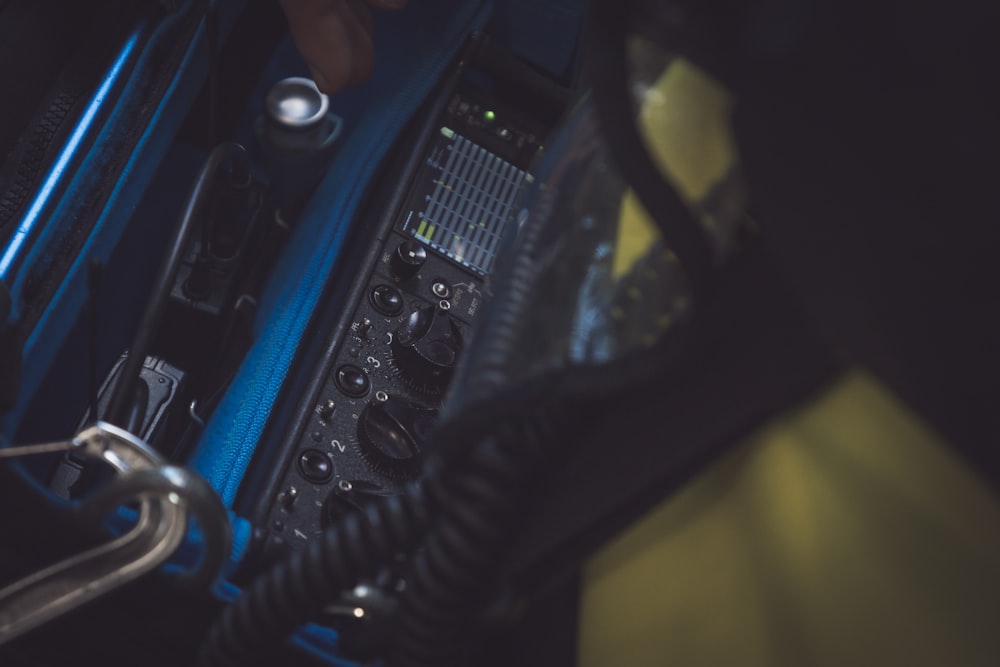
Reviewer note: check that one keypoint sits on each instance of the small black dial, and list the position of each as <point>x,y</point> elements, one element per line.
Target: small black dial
<point>315,466</point>
<point>407,259</point>
<point>352,380</point>
<point>386,299</point>
<point>392,432</point>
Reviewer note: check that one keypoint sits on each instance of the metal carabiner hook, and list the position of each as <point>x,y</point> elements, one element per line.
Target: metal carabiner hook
<point>167,495</point>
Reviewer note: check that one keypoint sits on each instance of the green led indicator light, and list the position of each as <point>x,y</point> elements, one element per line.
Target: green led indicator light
<point>489,116</point>
<point>448,132</point>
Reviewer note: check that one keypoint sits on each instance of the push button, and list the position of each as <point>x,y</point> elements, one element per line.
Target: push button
<point>352,381</point>
<point>387,300</point>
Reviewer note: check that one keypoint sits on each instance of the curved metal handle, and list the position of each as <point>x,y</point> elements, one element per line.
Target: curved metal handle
<point>195,496</point>
<point>167,495</point>
<point>57,589</point>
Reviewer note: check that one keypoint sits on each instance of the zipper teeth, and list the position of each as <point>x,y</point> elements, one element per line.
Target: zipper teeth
<point>31,162</point>
<point>293,318</point>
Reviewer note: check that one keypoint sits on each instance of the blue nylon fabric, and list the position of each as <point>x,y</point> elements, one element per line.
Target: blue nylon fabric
<point>187,555</point>
<point>414,48</point>
<point>320,642</point>
<point>50,332</point>
<point>50,192</point>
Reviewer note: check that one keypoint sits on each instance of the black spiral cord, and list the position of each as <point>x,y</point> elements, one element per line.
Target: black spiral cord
<point>472,499</point>
<point>297,589</point>
<point>475,504</point>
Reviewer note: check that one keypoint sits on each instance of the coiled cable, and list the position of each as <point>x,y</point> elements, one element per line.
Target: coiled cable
<point>474,501</point>
<point>296,590</point>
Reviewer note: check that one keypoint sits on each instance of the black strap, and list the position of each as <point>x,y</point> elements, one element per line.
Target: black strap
<point>609,80</point>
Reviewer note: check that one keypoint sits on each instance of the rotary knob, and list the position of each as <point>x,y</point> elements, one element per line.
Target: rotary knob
<point>426,348</point>
<point>392,432</point>
<point>407,259</point>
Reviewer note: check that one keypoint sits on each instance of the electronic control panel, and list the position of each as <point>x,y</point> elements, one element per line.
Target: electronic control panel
<point>363,429</point>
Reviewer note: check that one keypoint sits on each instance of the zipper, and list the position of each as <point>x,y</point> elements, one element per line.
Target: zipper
<point>32,159</point>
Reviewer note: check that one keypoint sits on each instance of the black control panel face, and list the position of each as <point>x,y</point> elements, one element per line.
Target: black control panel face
<point>366,429</point>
